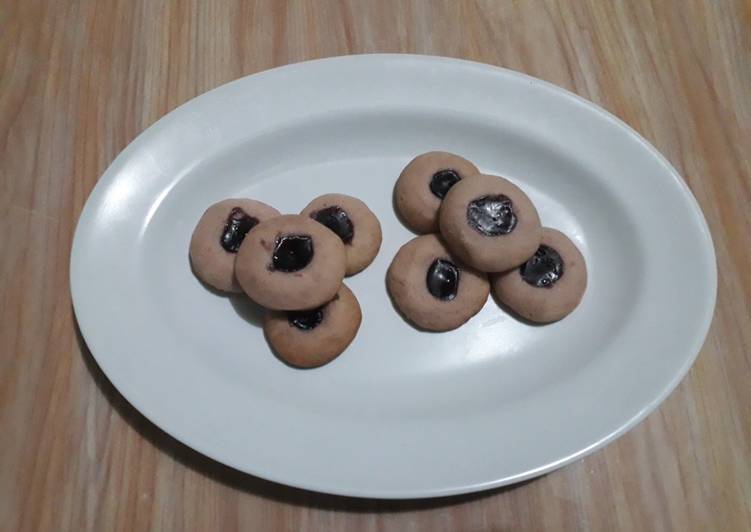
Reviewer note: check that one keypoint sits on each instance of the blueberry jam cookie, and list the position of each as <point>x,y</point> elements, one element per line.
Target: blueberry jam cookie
<point>549,285</point>
<point>290,262</point>
<point>424,183</point>
<point>490,223</point>
<point>353,222</point>
<point>217,238</point>
<point>311,338</point>
<point>433,289</point>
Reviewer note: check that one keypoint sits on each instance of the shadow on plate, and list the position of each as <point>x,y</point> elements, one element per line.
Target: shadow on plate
<point>247,309</point>
<point>249,483</point>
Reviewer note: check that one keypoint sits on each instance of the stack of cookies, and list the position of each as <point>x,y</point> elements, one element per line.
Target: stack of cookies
<point>293,265</point>
<point>479,232</point>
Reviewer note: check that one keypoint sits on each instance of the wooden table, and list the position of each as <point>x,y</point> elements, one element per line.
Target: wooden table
<point>80,79</point>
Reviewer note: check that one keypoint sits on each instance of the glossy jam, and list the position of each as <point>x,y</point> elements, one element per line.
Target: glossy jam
<point>544,269</point>
<point>443,279</point>
<point>237,226</point>
<point>305,320</point>
<point>292,253</point>
<point>442,181</point>
<point>336,219</point>
<point>491,215</point>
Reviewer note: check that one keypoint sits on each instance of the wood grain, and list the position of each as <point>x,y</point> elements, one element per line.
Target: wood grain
<point>80,79</point>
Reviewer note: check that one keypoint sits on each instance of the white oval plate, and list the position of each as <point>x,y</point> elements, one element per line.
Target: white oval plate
<point>401,413</point>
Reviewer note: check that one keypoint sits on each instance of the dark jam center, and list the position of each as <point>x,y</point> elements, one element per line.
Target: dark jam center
<point>492,215</point>
<point>237,226</point>
<point>544,268</point>
<point>336,219</point>
<point>442,181</point>
<point>306,320</point>
<point>292,252</point>
<point>443,279</point>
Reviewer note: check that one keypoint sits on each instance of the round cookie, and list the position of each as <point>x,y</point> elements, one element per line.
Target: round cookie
<point>311,338</point>
<point>217,238</point>
<point>353,222</point>
<point>490,223</point>
<point>547,287</point>
<point>290,263</point>
<point>424,183</point>
<point>431,288</point>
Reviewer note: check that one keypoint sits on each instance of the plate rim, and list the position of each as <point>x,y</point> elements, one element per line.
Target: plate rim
<point>699,338</point>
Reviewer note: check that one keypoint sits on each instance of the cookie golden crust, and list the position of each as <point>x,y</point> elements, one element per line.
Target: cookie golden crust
<point>490,223</point>
<point>218,236</point>
<point>353,222</point>
<point>290,263</point>
<point>550,285</point>
<point>313,338</point>
<point>431,288</point>
<point>424,183</point>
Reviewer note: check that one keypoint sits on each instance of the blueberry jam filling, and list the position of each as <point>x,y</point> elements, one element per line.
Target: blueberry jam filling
<point>237,226</point>
<point>292,253</point>
<point>544,269</point>
<point>442,181</point>
<point>443,279</point>
<point>491,215</point>
<point>336,219</point>
<point>306,320</point>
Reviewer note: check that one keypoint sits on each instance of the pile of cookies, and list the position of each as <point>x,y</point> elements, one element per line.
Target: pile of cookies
<point>479,232</point>
<point>293,265</point>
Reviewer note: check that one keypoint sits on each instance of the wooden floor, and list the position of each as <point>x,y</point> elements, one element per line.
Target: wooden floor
<point>80,79</point>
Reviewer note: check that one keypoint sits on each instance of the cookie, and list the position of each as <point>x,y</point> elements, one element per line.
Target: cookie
<point>548,286</point>
<point>490,223</point>
<point>353,222</point>
<point>424,183</point>
<point>432,288</point>
<point>290,263</point>
<point>311,338</point>
<point>217,238</point>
